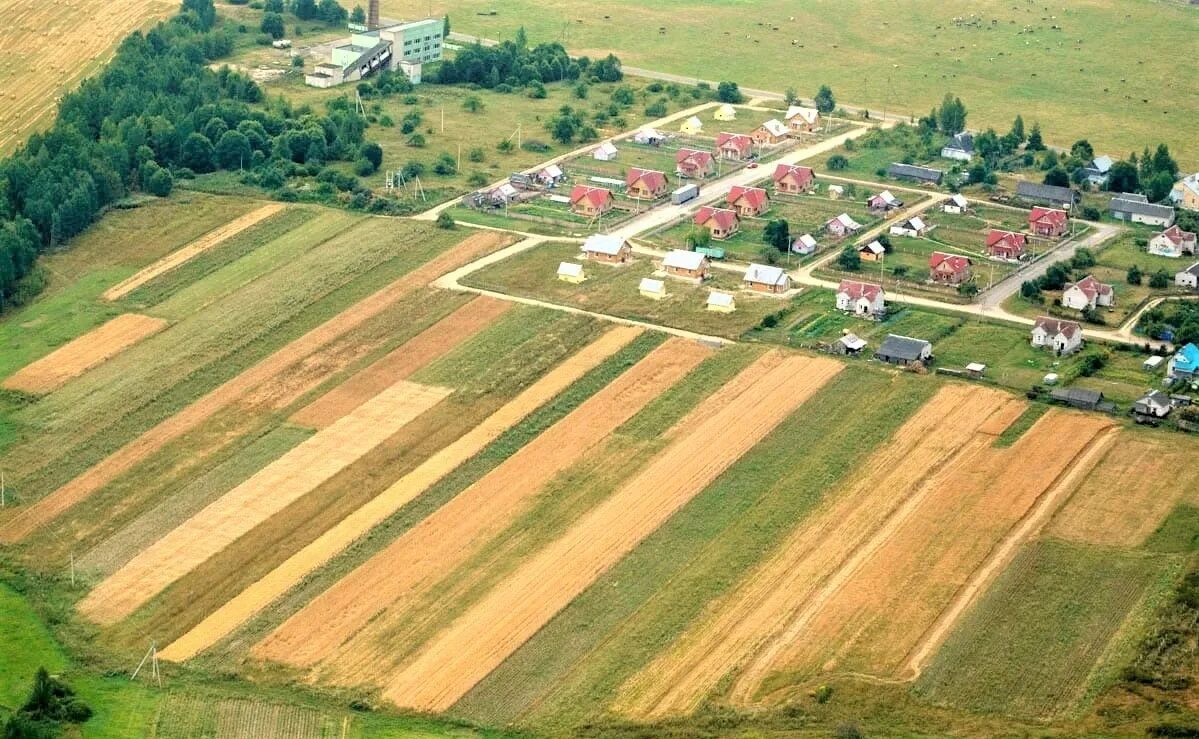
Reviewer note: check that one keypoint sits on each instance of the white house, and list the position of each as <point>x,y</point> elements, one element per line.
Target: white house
<point>1088,293</point>
<point>651,288</point>
<point>805,245</point>
<point>861,298</point>
<point>957,203</point>
<point>914,226</point>
<point>649,136</point>
<point>605,152</point>
<point>842,225</point>
<point>1172,242</point>
<point>1188,277</point>
<point>571,272</point>
<point>960,147</point>
<point>1062,337</point>
<point>801,119</point>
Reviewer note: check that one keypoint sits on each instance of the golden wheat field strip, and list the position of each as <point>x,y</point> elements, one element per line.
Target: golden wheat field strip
<point>78,356</point>
<point>21,524</point>
<point>190,251</point>
<point>879,612</point>
<point>329,544</point>
<point>757,610</point>
<point>485,635</point>
<point>394,578</point>
<point>271,490</point>
<point>402,361</point>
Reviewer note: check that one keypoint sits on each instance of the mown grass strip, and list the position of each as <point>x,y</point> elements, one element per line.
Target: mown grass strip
<point>1023,423</point>
<point>570,670</point>
<point>1178,534</point>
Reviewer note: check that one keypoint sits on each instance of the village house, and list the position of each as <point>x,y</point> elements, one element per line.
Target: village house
<point>689,265</point>
<point>915,173</point>
<point>1136,208</point>
<point>692,126</point>
<point>804,245</point>
<point>1007,245</point>
<point>861,298</point>
<point>793,178</point>
<point>960,147</point>
<point>1172,242</point>
<point>835,192</point>
<point>802,120</point>
<point>693,163</point>
<point>651,288</point>
<point>570,272</point>
<point>1088,294</point>
<point>770,133</point>
<point>608,249</point>
<point>914,227</point>
<point>1184,365</point>
<point>1188,277</point>
<point>1052,195</point>
<point>765,279</point>
<point>850,345</point>
<point>904,351</point>
<point>1096,173</point>
<point>719,302</point>
<point>1048,222</point>
<point>649,137</point>
<point>748,201</point>
<point>725,112</point>
<point>590,201</point>
<point>1185,193</point>
<point>734,146</point>
<point>720,222</point>
<point>503,195</point>
<point>1061,337</point>
<point>550,176</point>
<point>872,252</point>
<point>884,202</point>
<point>605,152</point>
<point>645,184</point>
<point>842,225</point>
<point>949,269</point>
<point>957,204</point>
<point>1152,406</point>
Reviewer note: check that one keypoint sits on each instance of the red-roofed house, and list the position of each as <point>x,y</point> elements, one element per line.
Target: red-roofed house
<point>1063,337</point>
<point>1173,242</point>
<point>861,298</point>
<point>948,269</point>
<point>590,201</point>
<point>694,163</point>
<point>645,184</point>
<point>748,201</point>
<point>1005,244</point>
<point>793,178</point>
<point>720,222</point>
<point>734,145</point>
<point>1088,293</point>
<point>1049,222</point>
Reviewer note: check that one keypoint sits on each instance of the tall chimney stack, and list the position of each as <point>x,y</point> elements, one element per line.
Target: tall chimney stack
<point>372,14</point>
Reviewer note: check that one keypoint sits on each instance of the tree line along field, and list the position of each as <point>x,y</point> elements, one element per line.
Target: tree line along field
<point>994,55</point>
<point>514,515</point>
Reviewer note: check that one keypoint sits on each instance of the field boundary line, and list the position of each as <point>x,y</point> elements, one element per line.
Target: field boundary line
<point>189,251</point>
<point>1040,513</point>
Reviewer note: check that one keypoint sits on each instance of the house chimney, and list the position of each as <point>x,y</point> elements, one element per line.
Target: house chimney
<point>372,15</point>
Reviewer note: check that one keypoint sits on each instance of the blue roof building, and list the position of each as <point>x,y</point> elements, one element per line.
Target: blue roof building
<point>1185,364</point>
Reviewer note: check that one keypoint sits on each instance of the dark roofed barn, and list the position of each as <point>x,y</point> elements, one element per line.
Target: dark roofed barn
<point>915,172</point>
<point>1062,197</point>
<point>904,350</point>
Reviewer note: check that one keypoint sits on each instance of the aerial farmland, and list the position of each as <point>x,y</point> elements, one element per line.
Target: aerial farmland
<point>363,378</point>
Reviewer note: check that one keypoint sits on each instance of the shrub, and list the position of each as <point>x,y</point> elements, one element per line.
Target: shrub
<point>416,140</point>
<point>445,220</point>
<point>1159,279</point>
<point>656,110</point>
<point>837,162</point>
<point>476,154</point>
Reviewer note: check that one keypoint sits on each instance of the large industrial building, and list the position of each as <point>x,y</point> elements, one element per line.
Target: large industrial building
<point>404,46</point>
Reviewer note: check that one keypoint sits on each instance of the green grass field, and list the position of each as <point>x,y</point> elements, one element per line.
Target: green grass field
<point>996,56</point>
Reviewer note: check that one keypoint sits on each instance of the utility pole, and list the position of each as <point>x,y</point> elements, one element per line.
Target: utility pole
<point>72,569</point>
<point>1,488</point>
<point>443,117</point>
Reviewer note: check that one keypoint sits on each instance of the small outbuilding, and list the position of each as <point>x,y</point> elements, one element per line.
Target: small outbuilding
<point>651,288</point>
<point>1079,397</point>
<point>571,272</point>
<point>725,112</point>
<point>957,204</point>
<point>872,252</point>
<point>692,126</point>
<point>804,245</point>
<point>605,152</point>
<point>719,302</point>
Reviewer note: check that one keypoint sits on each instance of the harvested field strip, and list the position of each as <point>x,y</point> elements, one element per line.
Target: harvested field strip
<point>336,539</point>
<point>881,610</point>
<point>758,611</point>
<point>1130,492</point>
<point>401,362</point>
<point>569,672</point>
<point>188,716</point>
<point>475,644</point>
<point>22,523</point>
<point>427,553</point>
<point>80,355</point>
<point>112,553</point>
<point>257,499</point>
<point>200,245</point>
<point>1031,644</point>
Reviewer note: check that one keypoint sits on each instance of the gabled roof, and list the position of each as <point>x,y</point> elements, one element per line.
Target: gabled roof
<point>886,197</point>
<point>726,110</point>
<point>856,289</point>
<point>801,174</point>
<point>915,223</point>
<point>1122,205</point>
<point>807,240</point>
<point>652,178</point>
<point>603,244</point>
<point>1055,326</point>
<point>1039,191</point>
<point>1051,216</point>
<point>1092,287</point>
<point>595,196</point>
<point>607,147</point>
<point>916,172</point>
<point>1102,164</point>
<point>682,259</point>
<point>570,269</point>
<point>1013,239</point>
<point>959,200</point>
<point>694,122</point>
<point>962,142</point>
<point>1177,236</point>
<point>755,196</point>
<point>552,171</point>
<point>852,342</point>
<point>697,156</point>
<point>845,221</point>
<point>775,127</point>
<point>648,134</point>
<point>874,247</point>
<point>807,115</point>
<point>903,347</point>
<point>725,218</point>
<point>1156,399</point>
<point>955,262</point>
<point>738,141</point>
<point>1193,269</point>
<point>765,275</point>
<point>1187,358</point>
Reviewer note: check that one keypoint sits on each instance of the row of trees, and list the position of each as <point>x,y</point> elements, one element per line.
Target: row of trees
<point>156,112</point>
<point>513,64</point>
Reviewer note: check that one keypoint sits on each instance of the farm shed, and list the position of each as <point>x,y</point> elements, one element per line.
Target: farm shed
<point>914,227</point>
<point>766,279</point>
<point>915,173</point>
<point>849,344</point>
<point>957,203</point>
<point>1138,211</point>
<point>692,126</point>
<point>609,249</point>
<point>1152,363</point>
<point>571,272</point>
<point>725,112</point>
<point>805,244</point>
<point>1059,197</point>
<point>649,137</point>
<point>651,288</point>
<point>721,302</point>
<point>904,351</point>
<point>1079,397</point>
<point>605,152</point>
<point>872,252</point>
<point>689,265</point>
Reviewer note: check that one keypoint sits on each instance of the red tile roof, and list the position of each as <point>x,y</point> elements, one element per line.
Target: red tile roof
<point>1092,287</point>
<point>856,289</point>
<point>1010,239</point>
<point>651,178</point>
<point>725,219</point>
<point>1051,216</point>
<point>701,158</point>
<point>739,141</point>
<point>1054,326</point>
<point>802,175</point>
<point>955,262</point>
<point>1177,236</point>
<point>755,196</point>
<point>595,196</point>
